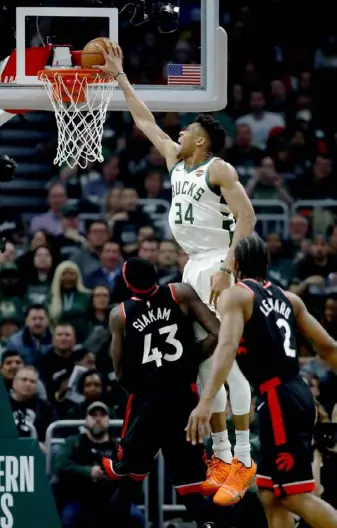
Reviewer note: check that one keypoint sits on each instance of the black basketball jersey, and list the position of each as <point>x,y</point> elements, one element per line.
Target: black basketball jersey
<point>159,349</point>
<point>268,347</point>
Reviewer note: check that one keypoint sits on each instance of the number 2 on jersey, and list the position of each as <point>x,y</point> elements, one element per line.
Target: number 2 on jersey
<point>282,323</point>
<point>187,217</point>
<point>154,354</point>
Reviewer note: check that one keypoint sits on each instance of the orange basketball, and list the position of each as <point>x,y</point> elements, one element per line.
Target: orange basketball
<point>91,54</point>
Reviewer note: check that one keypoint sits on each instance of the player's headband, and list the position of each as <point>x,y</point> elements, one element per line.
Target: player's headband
<point>135,290</point>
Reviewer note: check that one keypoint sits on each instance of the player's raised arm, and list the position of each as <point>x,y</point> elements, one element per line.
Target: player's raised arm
<point>116,326</point>
<point>142,116</point>
<point>202,314</point>
<point>235,308</point>
<point>312,330</point>
<point>225,176</point>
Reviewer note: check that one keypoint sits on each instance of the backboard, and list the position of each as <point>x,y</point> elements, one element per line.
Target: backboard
<point>185,70</point>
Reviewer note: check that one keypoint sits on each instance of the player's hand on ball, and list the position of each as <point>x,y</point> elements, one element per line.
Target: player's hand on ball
<point>219,282</point>
<point>198,424</point>
<point>113,56</point>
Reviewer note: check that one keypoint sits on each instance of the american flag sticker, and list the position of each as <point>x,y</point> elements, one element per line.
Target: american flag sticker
<point>184,75</point>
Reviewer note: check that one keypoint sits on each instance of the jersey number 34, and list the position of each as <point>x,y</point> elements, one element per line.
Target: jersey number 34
<point>153,354</point>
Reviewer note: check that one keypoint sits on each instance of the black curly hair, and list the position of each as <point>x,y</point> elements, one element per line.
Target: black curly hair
<point>214,130</point>
<point>251,255</point>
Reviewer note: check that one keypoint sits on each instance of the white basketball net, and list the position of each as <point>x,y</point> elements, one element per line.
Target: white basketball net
<point>80,124</point>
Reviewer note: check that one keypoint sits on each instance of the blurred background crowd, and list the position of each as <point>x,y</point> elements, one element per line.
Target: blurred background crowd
<point>70,230</point>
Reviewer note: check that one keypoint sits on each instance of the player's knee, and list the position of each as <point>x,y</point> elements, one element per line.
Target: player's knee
<point>240,396</point>
<point>294,503</point>
<point>267,498</point>
<point>220,401</point>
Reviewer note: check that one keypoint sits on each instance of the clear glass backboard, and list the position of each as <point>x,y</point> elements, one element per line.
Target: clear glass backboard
<point>182,70</point>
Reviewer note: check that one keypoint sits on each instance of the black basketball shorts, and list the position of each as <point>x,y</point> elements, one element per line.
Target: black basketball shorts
<point>157,421</point>
<point>286,416</point>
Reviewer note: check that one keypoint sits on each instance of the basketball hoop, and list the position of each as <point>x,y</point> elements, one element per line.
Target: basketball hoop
<point>80,100</point>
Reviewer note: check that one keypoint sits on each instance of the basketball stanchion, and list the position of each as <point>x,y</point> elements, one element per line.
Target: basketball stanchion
<point>26,497</point>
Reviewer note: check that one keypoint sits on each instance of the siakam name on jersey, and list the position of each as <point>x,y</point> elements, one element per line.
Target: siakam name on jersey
<point>161,314</point>
<point>16,476</point>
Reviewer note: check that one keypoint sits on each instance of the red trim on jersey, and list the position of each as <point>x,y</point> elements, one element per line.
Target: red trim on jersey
<point>246,287</point>
<point>127,415</point>
<point>174,293</point>
<point>264,482</point>
<point>122,309</point>
<point>149,290</point>
<point>188,488</point>
<point>194,388</point>
<point>269,388</point>
<point>295,488</point>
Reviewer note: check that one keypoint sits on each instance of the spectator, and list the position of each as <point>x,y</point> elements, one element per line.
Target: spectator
<point>168,270</point>
<point>69,299</point>
<point>182,260</point>
<point>8,255</point>
<point>110,271</point>
<point>298,232</point>
<point>267,184</point>
<point>100,310</point>
<point>330,315</point>
<point>11,362</point>
<point>128,222</point>
<point>87,258</point>
<point>92,387</point>
<point>310,275</point>
<point>259,120</point>
<point>112,205</point>
<point>77,464</point>
<point>11,291</point>
<point>280,268</point>
<point>98,188</point>
<point>149,250</point>
<point>320,183</point>
<point>51,221</point>
<point>333,239</point>
<point>84,357</point>
<point>28,407</point>
<point>153,187</point>
<point>40,277</point>
<point>8,326</point>
<point>35,337</point>
<point>58,360</point>
<point>71,236</point>
<point>242,155</point>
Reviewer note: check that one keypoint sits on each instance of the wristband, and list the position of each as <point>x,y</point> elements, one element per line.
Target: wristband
<point>119,73</point>
<point>226,270</point>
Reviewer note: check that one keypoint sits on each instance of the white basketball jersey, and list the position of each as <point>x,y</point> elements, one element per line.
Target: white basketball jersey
<point>200,219</point>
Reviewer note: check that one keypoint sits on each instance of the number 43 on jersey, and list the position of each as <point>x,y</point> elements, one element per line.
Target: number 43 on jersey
<point>154,354</point>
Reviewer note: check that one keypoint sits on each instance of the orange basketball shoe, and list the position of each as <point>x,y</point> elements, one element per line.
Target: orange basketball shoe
<point>238,482</point>
<point>217,474</point>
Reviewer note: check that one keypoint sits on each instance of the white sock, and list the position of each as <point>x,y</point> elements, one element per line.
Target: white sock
<point>242,448</point>
<point>221,447</point>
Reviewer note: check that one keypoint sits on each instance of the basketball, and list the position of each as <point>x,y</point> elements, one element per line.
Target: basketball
<point>91,54</point>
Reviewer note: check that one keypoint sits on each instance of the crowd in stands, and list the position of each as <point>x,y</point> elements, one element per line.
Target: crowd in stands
<point>61,274</point>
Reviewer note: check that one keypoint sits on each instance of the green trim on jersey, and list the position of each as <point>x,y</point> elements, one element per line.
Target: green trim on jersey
<point>174,166</point>
<point>197,166</point>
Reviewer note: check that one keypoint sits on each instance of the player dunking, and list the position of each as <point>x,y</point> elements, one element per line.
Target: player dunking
<point>156,359</point>
<point>207,196</point>
<point>258,325</point>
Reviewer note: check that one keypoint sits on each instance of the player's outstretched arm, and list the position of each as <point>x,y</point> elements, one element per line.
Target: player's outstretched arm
<point>202,315</point>
<point>235,307</point>
<point>142,116</point>
<point>116,326</point>
<point>313,331</point>
<point>224,176</point>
